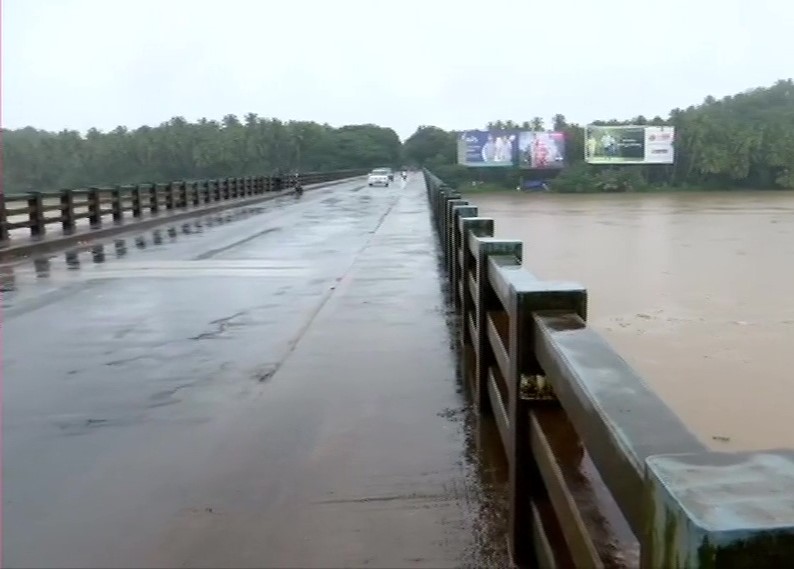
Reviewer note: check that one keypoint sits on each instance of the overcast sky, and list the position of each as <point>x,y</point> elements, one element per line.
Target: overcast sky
<point>452,63</point>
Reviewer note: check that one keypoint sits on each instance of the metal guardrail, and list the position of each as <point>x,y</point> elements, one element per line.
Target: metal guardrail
<point>532,362</point>
<point>38,210</point>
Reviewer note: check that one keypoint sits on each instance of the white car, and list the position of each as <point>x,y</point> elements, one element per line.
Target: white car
<point>378,177</point>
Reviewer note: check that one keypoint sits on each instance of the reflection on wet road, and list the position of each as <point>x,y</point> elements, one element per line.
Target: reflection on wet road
<point>268,387</point>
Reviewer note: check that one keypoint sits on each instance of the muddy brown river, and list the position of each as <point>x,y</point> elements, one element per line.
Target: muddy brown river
<point>695,290</point>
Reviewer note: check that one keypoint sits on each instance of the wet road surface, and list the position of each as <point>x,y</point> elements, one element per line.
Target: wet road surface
<point>274,387</point>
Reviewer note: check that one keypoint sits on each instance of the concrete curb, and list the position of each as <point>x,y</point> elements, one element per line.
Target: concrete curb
<point>13,252</point>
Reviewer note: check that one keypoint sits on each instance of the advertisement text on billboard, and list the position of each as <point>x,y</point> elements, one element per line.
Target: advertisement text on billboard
<point>633,144</point>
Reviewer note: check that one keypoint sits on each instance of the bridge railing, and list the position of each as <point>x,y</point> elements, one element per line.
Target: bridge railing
<point>563,399</point>
<point>36,211</point>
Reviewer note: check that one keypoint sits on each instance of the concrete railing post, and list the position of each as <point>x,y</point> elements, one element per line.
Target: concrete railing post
<point>182,202</point>
<point>455,201</point>
<point>458,246</point>
<point>195,196</point>
<point>524,368</point>
<point>3,219</point>
<point>715,510</point>
<point>478,227</point>
<point>137,202</point>
<point>154,198</point>
<point>169,196</point>
<point>67,211</point>
<point>116,205</point>
<point>94,208</point>
<point>38,224</point>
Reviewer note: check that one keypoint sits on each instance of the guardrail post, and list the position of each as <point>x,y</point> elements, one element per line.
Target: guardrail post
<point>225,195</point>
<point>446,194</point>
<point>36,214</point>
<point>154,198</point>
<point>470,302</point>
<point>137,210</point>
<point>195,197</point>
<point>94,208</point>
<point>3,219</point>
<point>487,301</point>
<point>452,203</point>
<point>169,196</point>
<point>182,195</point>
<point>235,188</point>
<point>118,210</point>
<point>67,211</point>
<point>524,368</point>
<point>459,246</point>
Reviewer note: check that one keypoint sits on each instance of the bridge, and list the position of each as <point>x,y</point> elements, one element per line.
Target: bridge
<point>217,374</point>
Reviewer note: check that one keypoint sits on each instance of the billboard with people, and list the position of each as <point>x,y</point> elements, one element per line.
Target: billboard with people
<point>481,148</point>
<point>541,150</point>
<point>632,144</point>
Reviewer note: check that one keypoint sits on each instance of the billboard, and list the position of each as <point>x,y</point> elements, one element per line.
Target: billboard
<point>629,144</point>
<point>541,150</point>
<point>481,148</point>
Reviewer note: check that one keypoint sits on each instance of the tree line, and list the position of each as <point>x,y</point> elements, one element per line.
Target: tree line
<point>176,150</point>
<point>745,140</point>
<point>740,141</point>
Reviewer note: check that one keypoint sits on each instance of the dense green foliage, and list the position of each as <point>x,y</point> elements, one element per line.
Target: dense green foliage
<point>741,141</point>
<point>39,160</point>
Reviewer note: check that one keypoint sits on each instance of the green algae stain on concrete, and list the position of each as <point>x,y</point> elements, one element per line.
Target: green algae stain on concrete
<point>768,549</point>
<point>719,510</point>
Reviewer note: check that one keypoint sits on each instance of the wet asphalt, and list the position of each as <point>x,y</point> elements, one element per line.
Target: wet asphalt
<point>270,387</point>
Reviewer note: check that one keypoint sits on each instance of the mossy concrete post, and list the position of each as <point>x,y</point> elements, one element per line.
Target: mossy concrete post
<point>716,510</point>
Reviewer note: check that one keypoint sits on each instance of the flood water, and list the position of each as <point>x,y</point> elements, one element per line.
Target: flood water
<point>694,290</point>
